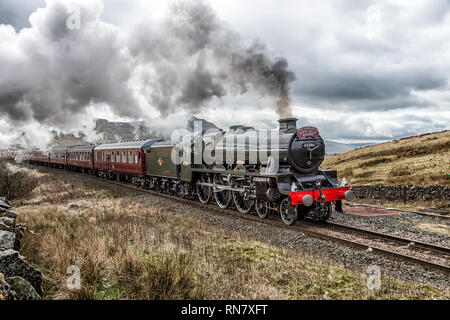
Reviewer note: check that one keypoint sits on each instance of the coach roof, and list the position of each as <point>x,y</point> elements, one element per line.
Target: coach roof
<point>144,144</point>
<point>81,148</point>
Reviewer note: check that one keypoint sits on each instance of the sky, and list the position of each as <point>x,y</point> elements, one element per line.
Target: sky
<point>360,71</point>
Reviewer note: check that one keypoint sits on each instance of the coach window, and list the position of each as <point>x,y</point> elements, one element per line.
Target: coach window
<point>130,156</point>
<point>124,157</point>
<point>113,156</point>
<point>136,157</point>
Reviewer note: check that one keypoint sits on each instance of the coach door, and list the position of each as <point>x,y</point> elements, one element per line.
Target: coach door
<point>108,161</point>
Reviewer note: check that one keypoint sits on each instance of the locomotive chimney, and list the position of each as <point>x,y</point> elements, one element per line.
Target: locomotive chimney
<point>288,124</point>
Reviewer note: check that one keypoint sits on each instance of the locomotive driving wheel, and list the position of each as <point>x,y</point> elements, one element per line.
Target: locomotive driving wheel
<point>223,197</point>
<point>289,217</point>
<point>262,208</point>
<point>241,199</point>
<point>204,193</point>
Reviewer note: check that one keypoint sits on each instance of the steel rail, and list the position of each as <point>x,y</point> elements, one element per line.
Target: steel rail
<point>401,210</point>
<point>416,243</point>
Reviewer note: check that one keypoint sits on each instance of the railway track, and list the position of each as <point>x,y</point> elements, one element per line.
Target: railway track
<point>401,210</point>
<point>426,254</point>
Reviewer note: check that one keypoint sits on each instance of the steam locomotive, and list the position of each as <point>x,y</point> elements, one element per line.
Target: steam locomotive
<point>268,171</point>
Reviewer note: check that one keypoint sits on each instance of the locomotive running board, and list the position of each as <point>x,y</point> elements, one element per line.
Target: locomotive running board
<point>220,187</point>
<point>235,173</point>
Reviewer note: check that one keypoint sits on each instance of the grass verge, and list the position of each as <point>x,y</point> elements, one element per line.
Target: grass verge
<point>126,250</point>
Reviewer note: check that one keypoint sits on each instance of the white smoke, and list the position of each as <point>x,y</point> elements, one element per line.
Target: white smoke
<point>69,62</point>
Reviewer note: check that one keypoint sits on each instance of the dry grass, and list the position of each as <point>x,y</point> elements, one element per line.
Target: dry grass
<point>15,182</point>
<point>126,250</point>
<point>434,227</point>
<point>421,160</point>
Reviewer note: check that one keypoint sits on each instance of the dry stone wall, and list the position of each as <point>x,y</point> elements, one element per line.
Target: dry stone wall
<point>403,193</point>
<point>18,279</point>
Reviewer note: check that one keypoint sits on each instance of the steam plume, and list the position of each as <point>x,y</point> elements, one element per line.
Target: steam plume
<point>51,73</point>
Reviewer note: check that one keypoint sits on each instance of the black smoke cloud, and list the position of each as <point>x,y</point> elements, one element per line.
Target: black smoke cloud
<point>53,72</point>
<point>255,68</point>
<point>194,57</point>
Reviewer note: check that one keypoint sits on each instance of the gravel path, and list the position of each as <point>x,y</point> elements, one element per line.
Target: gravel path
<point>350,258</point>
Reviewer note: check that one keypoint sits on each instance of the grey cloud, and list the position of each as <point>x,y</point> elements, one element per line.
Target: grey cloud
<point>354,85</point>
<point>16,12</point>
